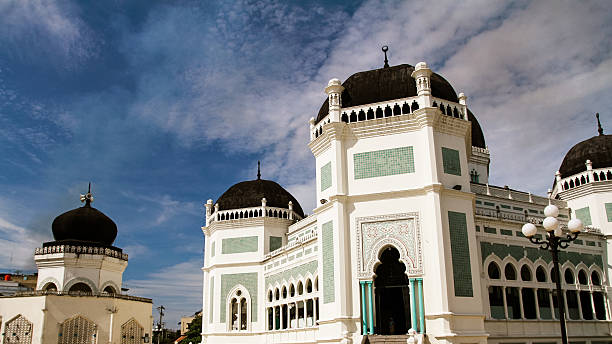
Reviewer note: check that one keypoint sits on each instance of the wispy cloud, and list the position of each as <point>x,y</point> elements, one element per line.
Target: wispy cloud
<point>165,207</point>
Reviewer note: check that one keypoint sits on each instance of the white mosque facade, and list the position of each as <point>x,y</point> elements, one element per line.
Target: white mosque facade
<point>409,242</point>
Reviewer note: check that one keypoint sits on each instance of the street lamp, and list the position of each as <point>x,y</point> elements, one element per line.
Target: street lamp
<point>554,241</point>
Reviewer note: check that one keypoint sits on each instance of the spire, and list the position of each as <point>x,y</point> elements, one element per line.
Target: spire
<point>258,170</point>
<point>88,197</point>
<point>385,49</point>
<point>599,128</point>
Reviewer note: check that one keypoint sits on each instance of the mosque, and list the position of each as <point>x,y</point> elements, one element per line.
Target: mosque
<point>409,243</point>
<point>78,297</point>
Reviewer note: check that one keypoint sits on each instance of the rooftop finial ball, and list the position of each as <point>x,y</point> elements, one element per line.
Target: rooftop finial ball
<point>574,225</point>
<point>551,210</point>
<point>385,48</point>
<point>529,230</point>
<point>550,223</point>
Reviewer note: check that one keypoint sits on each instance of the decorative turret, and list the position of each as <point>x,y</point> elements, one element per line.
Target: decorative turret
<point>334,92</point>
<point>422,75</point>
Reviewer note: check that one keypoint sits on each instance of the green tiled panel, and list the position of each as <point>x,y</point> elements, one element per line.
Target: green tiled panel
<point>384,162</point>
<point>578,242</point>
<point>229,281</point>
<point>212,249</point>
<point>275,243</point>
<point>584,215</point>
<point>517,208</point>
<point>451,161</point>
<point>505,232</point>
<point>300,270</point>
<point>609,211</point>
<point>490,230</point>
<point>504,206</point>
<point>212,295</point>
<point>327,239</point>
<point>326,176</point>
<point>489,204</point>
<point>239,245</point>
<point>590,243</point>
<point>533,253</point>
<point>460,252</point>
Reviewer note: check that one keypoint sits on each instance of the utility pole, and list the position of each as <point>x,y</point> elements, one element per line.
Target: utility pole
<point>159,325</point>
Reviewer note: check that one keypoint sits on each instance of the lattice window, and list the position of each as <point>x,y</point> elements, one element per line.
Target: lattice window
<point>131,332</point>
<point>18,331</point>
<point>78,330</point>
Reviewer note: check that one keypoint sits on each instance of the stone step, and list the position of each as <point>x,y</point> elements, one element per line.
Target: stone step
<point>386,339</point>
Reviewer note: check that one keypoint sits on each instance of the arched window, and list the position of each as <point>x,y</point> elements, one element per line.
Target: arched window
<point>270,295</point>
<point>370,114</point>
<point>541,274</point>
<point>493,271</point>
<point>595,278</point>
<point>132,332</point>
<point>442,108</point>
<point>239,310</point>
<point>300,288</point>
<point>510,272</point>
<point>569,276</point>
<point>525,273</point>
<point>109,290</point>
<point>276,294</point>
<point>361,116</point>
<point>582,277</point>
<point>77,330</point>
<point>316,284</point>
<point>529,304</point>
<point>284,292</point>
<point>18,330</point>
<point>379,112</point>
<point>344,117</point>
<point>595,177</point>
<point>353,117</point>
<point>388,111</point>
<point>50,286</point>
<point>308,286</point>
<point>396,110</point>
<point>449,111</point>
<point>80,288</point>
<point>600,305</point>
<point>405,108</point>
<point>291,290</point>
<point>553,275</point>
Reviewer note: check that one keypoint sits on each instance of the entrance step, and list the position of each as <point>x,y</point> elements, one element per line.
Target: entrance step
<point>386,339</point>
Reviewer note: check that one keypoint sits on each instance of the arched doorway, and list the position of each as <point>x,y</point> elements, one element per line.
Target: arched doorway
<point>392,294</point>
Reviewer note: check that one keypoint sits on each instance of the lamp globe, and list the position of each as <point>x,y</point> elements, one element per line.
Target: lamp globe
<point>574,225</point>
<point>529,230</point>
<point>551,210</point>
<point>550,223</point>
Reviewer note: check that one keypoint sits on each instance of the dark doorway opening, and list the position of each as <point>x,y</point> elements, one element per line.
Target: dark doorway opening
<point>392,294</point>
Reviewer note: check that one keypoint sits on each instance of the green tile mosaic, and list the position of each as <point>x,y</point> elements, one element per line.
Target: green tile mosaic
<point>212,249</point>
<point>533,211</point>
<point>384,162</point>
<point>326,176</point>
<point>609,211</point>
<point>519,234</point>
<point>490,230</point>
<point>533,253</point>
<point>578,242</point>
<point>505,232</point>
<point>212,298</point>
<point>590,243</point>
<point>239,245</point>
<point>275,243</point>
<point>517,208</point>
<point>584,214</point>
<point>286,275</point>
<point>504,206</point>
<point>229,281</point>
<point>451,161</point>
<point>327,239</point>
<point>489,204</point>
<point>460,252</point>
<point>478,202</point>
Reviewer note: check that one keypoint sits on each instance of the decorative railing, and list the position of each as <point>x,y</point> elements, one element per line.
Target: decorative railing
<point>81,293</point>
<point>397,107</point>
<point>81,250</point>
<point>292,244</point>
<point>582,178</point>
<point>245,213</point>
<point>503,192</point>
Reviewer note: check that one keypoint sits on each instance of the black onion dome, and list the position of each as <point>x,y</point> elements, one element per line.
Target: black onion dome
<point>598,149</point>
<point>249,194</point>
<point>395,82</point>
<point>85,224</point>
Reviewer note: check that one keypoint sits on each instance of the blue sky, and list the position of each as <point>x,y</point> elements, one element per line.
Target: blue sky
<point>163,105</point>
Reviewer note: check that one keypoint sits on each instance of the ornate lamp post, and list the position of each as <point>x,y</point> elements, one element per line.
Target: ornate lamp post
<point>555,240</point>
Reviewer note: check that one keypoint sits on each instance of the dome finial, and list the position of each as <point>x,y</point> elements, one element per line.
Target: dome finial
<point>599,128</point>
<point>88,197</point>
<point>385,49</point>
<point>258,170</point>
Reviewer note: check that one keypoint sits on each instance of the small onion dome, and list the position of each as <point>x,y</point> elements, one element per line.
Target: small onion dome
<point>85,224</point>
<point>598,149</point>
<point>249,194</point>
<point>384,84</point>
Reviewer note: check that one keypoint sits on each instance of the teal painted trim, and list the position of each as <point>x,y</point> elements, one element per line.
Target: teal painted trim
<point>413,315</point>
<point>451,161</point>
<point>327,239</point>
<point>326,176</point>
<point>370,308</point>
<point>364,323</point>
<point>584,214</point>
<point>385,162</point>
<point>421,308</point>
<point>609,211</point>
<point>239,245</point>
<point>460,254</point>
<point>275,243</point>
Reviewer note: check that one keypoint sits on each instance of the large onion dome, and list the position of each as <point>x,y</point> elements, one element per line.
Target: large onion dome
<point>85,225</point>
<point>395,82</point>
<point>598,149</point>
<point>249,194</point>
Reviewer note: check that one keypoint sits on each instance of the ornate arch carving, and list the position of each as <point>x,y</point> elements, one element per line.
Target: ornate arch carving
<point>46,281</point>
<point>76,280</point>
